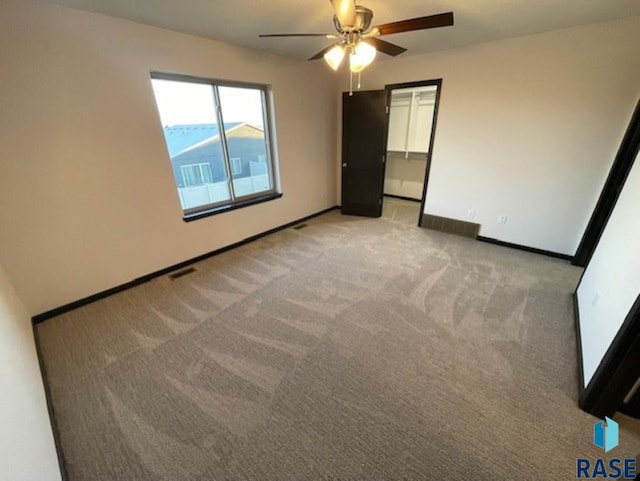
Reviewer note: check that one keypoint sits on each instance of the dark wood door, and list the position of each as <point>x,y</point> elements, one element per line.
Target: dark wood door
<point>364,143</point>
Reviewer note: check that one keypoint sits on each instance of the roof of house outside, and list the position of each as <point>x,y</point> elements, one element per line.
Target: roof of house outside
<point>242,137</point>
<point>242,131</point>
<point>184,136</point>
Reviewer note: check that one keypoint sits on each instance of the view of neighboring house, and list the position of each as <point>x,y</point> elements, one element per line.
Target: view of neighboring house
<point>198,165</point>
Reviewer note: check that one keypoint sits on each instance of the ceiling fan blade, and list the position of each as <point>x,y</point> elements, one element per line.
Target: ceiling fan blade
<point>385,47</point>
<point>345,11</point>
<point>325,35</point>
<point>420,23</point>
<point>322,52</point>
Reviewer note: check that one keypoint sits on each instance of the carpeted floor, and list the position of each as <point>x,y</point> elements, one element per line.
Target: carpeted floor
<point>351,349</point>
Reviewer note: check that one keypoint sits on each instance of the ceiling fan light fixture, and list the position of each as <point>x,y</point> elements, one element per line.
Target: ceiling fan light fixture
<point>356,37</point>
<point>334,56</point>
<point>361,56</point>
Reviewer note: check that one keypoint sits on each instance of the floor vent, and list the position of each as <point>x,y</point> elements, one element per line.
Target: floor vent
<point>181,273</point>
<point>451,226</point>
<point>300,226</point>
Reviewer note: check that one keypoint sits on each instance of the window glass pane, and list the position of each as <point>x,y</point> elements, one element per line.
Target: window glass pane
<point>191,132</point>
<point>217,141</point>
<point>242,111</point>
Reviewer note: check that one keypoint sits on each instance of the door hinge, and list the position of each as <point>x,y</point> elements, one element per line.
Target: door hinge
<point>380,203</point>
<point>386,109</point>
<point>383,158</point>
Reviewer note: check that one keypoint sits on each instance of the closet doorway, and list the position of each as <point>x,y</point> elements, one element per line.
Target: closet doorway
<point>413,112</point>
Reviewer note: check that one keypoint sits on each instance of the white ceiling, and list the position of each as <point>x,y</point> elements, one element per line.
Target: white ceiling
<point>240,21</point>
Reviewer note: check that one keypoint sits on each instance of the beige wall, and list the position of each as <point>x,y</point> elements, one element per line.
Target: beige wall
<point>88,200</point>
<point>27,452</point>
<point>528,127</point>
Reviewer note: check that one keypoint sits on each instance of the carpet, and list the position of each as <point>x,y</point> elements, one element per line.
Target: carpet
<point>351,349</point>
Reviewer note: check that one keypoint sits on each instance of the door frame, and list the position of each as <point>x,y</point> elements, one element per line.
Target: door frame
<point>618,174</point>
<point>618,370</point>
<point>420,83</point>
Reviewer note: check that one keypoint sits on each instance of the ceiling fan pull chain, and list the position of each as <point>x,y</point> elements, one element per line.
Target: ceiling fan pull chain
<point>359,75</point>
<point>350,83</point>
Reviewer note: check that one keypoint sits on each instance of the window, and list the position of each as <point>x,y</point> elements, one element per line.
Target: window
<point>196,174</point>
<point>218,140</point>
<point>236,166</point>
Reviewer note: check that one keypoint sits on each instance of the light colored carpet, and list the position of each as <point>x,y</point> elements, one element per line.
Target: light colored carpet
<point>352,349</point>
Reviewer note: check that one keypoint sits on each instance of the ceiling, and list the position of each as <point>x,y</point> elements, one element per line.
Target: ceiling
<point>240,21</point>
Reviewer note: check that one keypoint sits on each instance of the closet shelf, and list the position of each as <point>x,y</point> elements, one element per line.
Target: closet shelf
<point>410,118</point>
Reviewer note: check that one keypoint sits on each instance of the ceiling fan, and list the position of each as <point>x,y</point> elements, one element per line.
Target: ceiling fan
<point>356,38</point>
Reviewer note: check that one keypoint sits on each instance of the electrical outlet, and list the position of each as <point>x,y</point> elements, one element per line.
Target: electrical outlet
<point>596,298</point>
<point>471,213</point>
<point>502,219</point>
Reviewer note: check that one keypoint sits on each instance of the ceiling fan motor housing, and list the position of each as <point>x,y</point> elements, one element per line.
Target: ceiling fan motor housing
<point>362,23</point>
<point>355,28</point>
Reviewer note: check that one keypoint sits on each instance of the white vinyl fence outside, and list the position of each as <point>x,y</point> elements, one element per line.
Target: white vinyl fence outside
<point>196,196</point>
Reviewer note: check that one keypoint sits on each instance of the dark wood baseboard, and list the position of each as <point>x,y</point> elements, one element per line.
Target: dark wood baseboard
<point>52,418</point>
<point>101,295</point>
<point>533,250</point>
<point>38,318</point>
<point>401,197</point>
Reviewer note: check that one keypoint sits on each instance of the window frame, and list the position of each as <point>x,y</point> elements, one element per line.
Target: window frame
<point>235,202</point>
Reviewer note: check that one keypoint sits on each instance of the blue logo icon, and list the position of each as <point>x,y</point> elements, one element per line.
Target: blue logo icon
<point>606,436</point>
